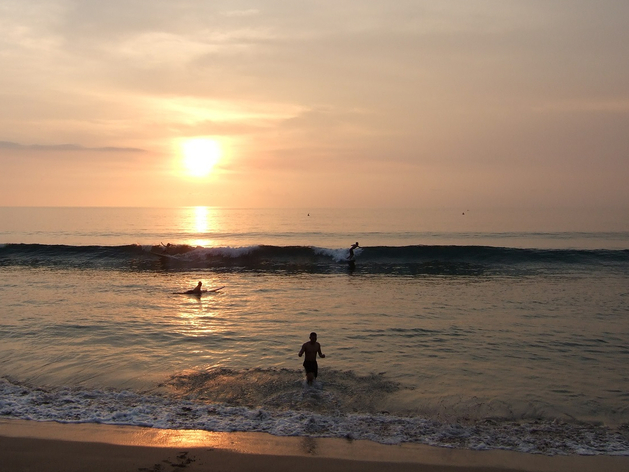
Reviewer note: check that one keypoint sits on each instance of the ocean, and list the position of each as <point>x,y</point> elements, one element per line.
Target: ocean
<point>475,329</point>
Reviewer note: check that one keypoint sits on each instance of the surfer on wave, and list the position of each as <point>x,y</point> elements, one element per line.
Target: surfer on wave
<point>351,251</point>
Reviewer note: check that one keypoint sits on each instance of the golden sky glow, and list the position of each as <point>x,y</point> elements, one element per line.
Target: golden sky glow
<point>423,103</point>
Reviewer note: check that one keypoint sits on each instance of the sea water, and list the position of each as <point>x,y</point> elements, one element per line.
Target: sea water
<point>458,328</point>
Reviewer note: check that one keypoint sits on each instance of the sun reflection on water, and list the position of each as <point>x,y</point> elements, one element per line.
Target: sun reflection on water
<point>197,318</point>
<point>201,220</point>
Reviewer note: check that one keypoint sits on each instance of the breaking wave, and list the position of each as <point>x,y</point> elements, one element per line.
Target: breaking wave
<point>395,260</point>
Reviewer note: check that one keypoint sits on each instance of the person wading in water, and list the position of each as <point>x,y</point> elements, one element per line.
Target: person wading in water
<point>311,349</point>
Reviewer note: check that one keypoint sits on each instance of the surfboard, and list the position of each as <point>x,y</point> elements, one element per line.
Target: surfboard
<point>167,256</point>
<point>216,289</point>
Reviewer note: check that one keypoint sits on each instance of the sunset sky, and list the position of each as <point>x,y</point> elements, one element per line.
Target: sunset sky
<point>494,103</point>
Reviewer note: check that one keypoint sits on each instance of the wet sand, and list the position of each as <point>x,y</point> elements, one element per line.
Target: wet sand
<point>51,447</point>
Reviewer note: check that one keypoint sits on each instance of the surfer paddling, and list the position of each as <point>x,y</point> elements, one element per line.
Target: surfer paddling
<point>311,349</point>
<point>196,289</point>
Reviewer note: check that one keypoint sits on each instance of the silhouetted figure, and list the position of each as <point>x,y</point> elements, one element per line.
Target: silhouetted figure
<point>196,290</point>
<point>311,349</point>
<point>351,251</point>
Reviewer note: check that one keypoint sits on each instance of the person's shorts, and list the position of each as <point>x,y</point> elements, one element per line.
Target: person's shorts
<point>311,366</point>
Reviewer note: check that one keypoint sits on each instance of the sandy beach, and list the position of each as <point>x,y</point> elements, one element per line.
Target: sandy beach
<point>52,447</point>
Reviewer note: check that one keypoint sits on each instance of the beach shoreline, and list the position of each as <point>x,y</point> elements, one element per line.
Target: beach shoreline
<point>48,446</point>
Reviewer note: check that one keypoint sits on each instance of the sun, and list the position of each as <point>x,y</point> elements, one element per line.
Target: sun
<point>200,155</point>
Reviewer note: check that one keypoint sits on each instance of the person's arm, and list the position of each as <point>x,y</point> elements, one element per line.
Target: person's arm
<point>303,348</point>
<point>319,351</point>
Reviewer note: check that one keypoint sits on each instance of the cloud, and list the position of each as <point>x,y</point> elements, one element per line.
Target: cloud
<point>241,13</point>
<point>416,89</point>
<point>67,147</point>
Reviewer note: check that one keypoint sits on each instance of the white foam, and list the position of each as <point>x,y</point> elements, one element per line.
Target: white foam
<point>338,255</point>
<point>160,411</point>
<point>201,253</point>
<point>225,251</point>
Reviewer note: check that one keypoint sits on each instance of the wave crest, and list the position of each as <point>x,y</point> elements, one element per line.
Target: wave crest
<point>394,260</point>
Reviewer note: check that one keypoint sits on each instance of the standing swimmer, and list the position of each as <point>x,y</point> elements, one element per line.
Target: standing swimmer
<point>311,348</point>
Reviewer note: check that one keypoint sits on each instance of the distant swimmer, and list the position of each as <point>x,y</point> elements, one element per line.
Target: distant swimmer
<point>311,348</point>
<point>351,251</point>
<point>196,289</point>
